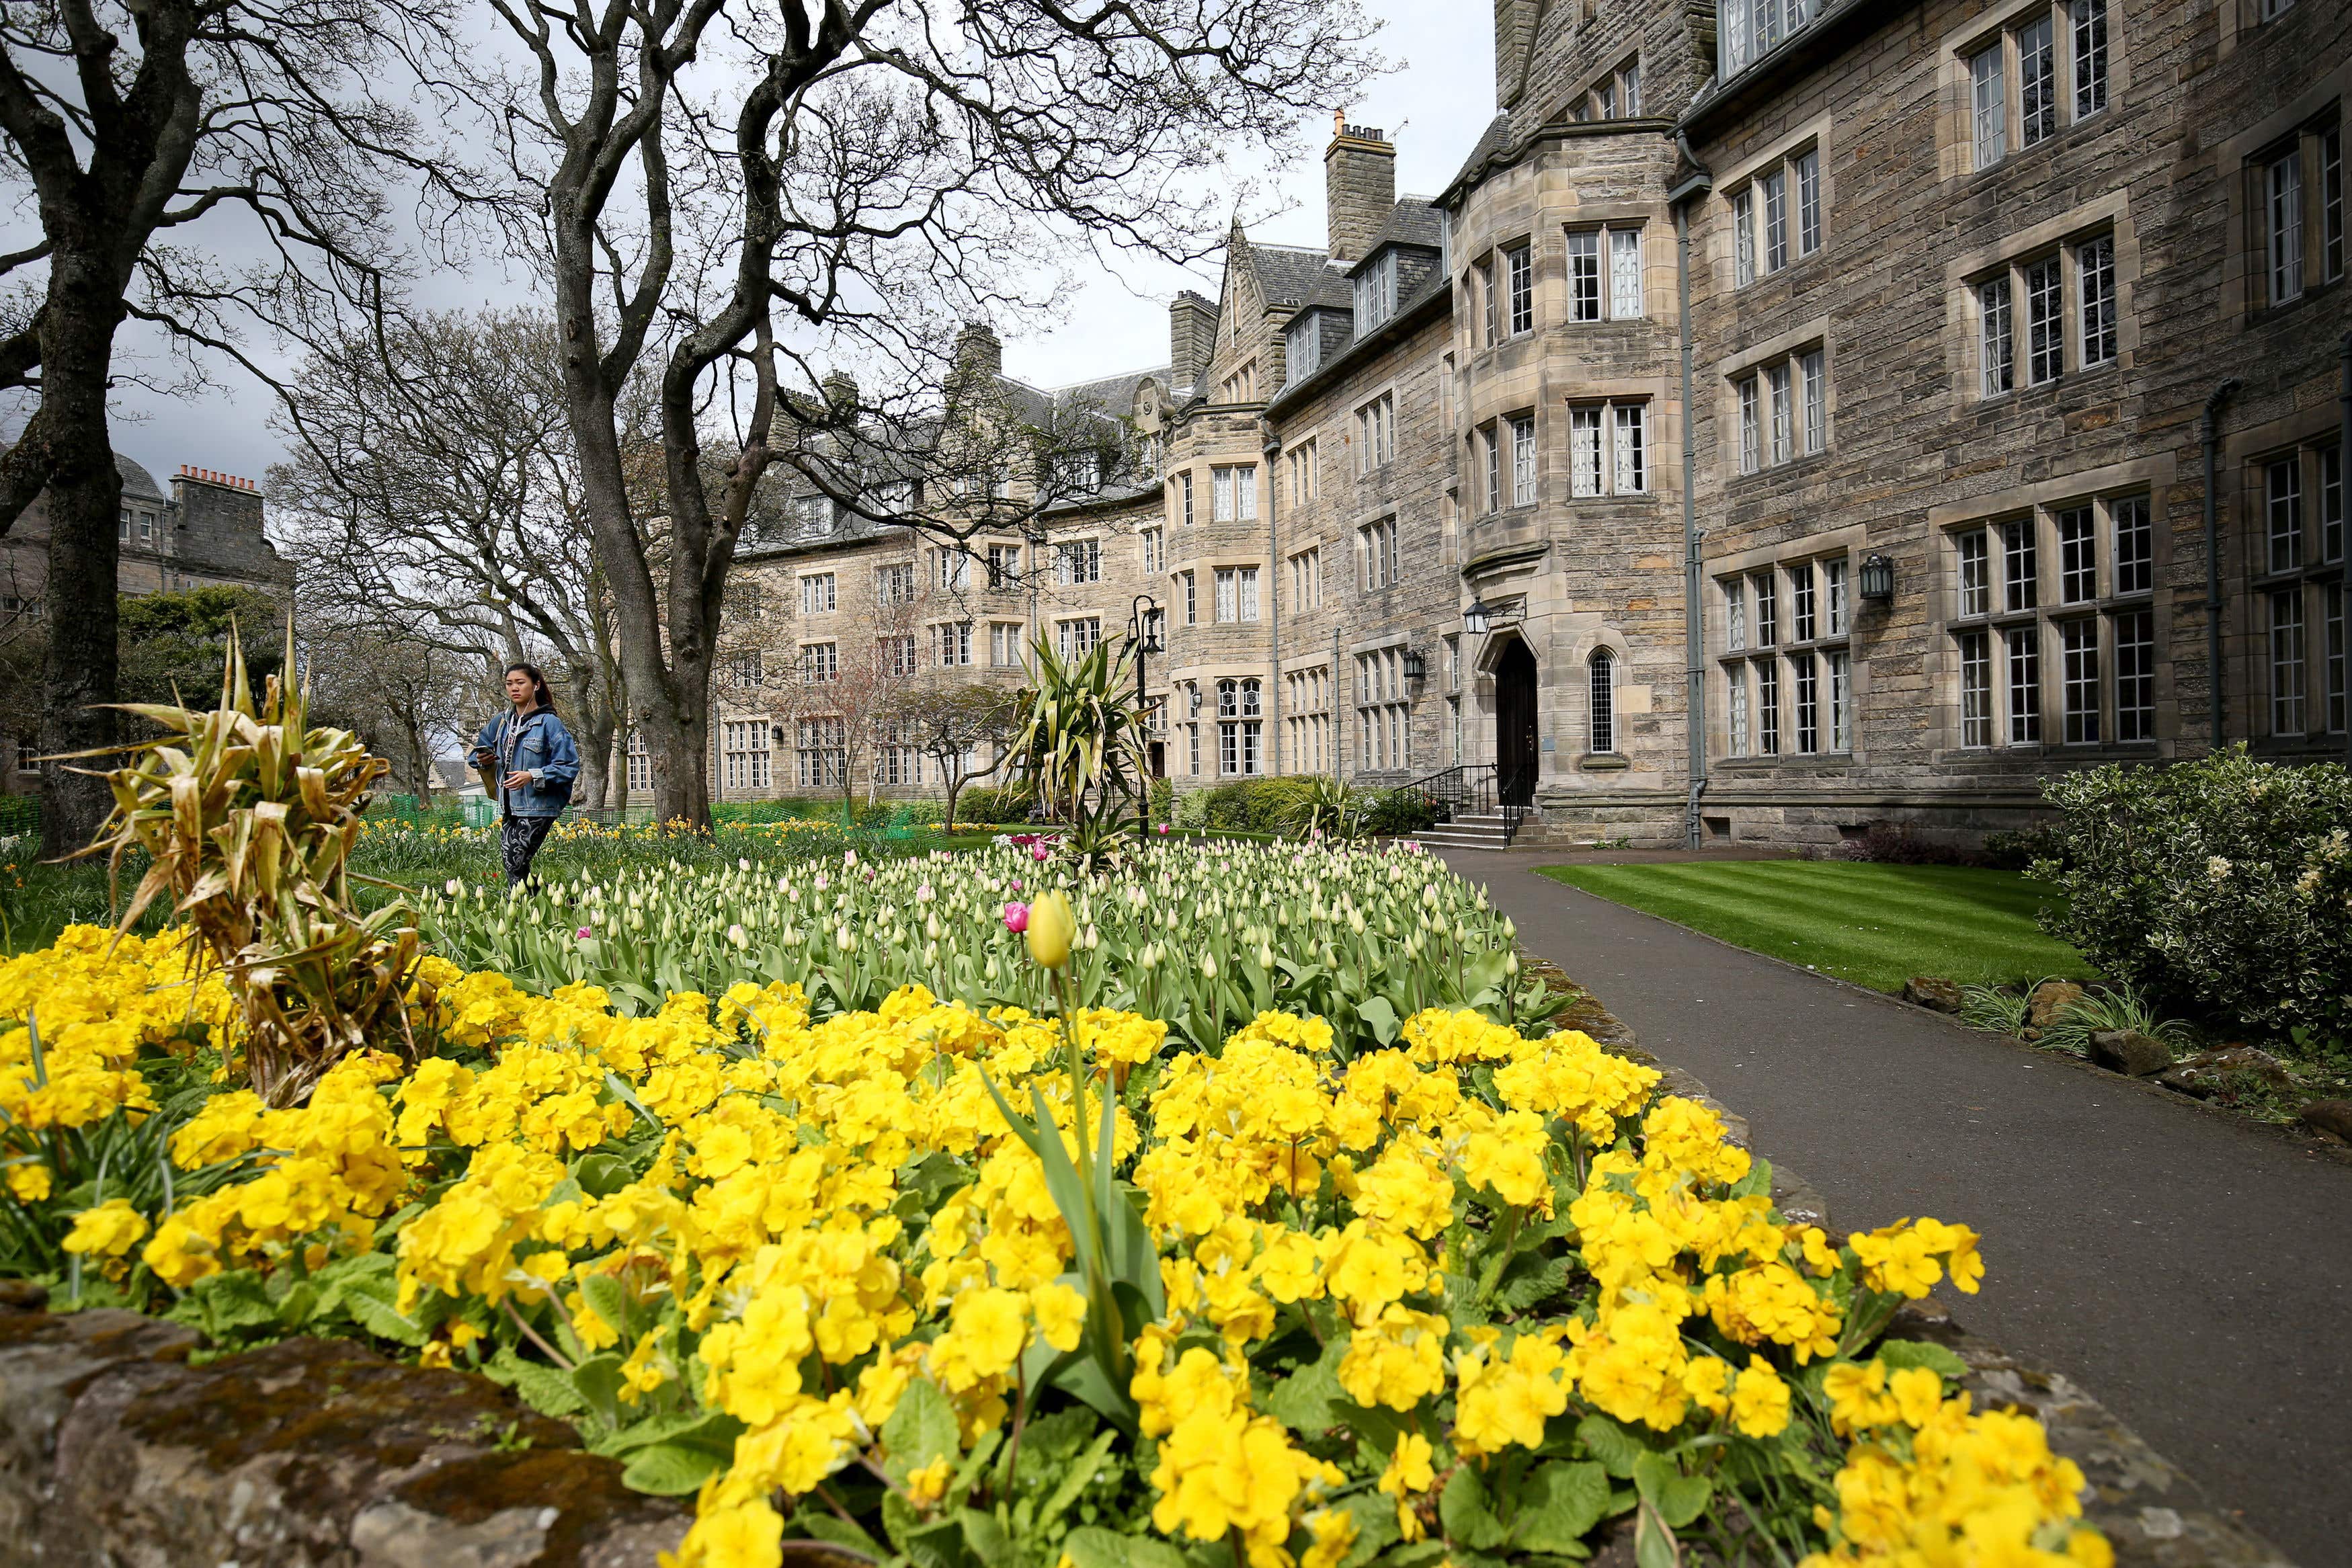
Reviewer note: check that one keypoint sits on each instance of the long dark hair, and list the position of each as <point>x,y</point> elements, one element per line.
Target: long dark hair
<point>539,692</point>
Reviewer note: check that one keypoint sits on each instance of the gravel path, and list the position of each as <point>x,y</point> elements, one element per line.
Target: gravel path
<point>2191,1269</point>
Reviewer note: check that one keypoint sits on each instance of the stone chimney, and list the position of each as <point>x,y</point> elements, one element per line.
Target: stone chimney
<point>1192,337</point>
<point>1358,188</point>
<point>977,348</point>
<point>841,393</point>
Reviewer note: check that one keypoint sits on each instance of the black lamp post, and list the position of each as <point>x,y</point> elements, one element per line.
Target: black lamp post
<point>1143,636</point>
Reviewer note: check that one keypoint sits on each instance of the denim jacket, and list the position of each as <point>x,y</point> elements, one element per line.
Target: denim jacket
<point>538,746</point>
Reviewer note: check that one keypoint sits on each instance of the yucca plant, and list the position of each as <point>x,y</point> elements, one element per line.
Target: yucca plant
<point>1082,743</point>
<point>250,817</point>
<point>1329,809</point>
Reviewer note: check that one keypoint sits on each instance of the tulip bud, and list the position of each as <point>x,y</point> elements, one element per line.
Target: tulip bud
<point>1208,966</point>
<point>736,934</point>
<point>1051,927</point>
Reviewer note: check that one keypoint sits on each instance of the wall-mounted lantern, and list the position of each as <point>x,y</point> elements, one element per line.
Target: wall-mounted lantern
<point>1877,578</point>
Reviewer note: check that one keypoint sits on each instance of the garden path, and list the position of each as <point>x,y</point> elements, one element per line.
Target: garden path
<point>2191,1269</point>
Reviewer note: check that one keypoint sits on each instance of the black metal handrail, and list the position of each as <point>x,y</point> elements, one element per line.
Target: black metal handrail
<point>1481,788</point>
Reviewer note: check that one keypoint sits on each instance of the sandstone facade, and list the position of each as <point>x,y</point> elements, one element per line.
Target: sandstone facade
<point>1813,399</point>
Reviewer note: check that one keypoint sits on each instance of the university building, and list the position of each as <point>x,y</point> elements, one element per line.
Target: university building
<point>1796,415</point>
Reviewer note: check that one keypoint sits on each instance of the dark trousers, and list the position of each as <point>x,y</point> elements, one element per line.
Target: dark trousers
<point>518,841</point>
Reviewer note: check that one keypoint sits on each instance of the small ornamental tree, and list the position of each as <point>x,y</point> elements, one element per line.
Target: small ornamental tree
<point>950,726</point>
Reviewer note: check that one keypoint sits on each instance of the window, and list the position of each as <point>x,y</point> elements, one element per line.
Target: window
<point>2302,504</point>
<point>895,760</point>
<point>743,668</point>
<point>1775,186</point>
<point>2094,296</point>
<point>1628,90</point>
<point>1622,298</point>
<point>2135,548</point>
<point>2045,349</point>
<point>2282,212</point>
<point>2024,685</point>
<point>950,646</point>
<point>1305,473</point>
<point>1814,664</point>
<point>1996,353</point>
<point>895,655</point>
<point>1080,561</point>
<point>817,594</point>
<point>744,753</point>
<point>1004,644</point>
<point>1306,707</point>
<point>951,569</point>
<point>1376,293</point>
<point>1809,201</point>
<point>814,515</point>
<point>1383,712</point>
<point>1523,460</point>
<point>1976,688</point>
<point>2037,81</point>
<point>1236,492</point>
<point>1990,99</point>
<point>1491,303</point>
<point>1191,597</point>
<point>1003,566</point>
<point>820,662</point>
<point>1302,346</point>
<point>1519,269</point>
<point>1784,410</point>
<point>640,769</point>
<point>2090,17</point>
<point>1601,715</point>
<point>745,605</point>
<point>821,753</point>
<point>1237,593</point>
<point>2331,202</point>
<point>1184,498</point>
<point>1147,549</point>
<point>1604,100</point>
<point>1078,638</point>
<point>2134,675</point>
<point>1494,444</point>
<point>1376,552</point>
<point>1307,580</point>
<point>1609,450</point>
<point>1375,433</point>
<point>2103,696</point>
<point>1743,231</point>
<point>2078,557</point>
<point>1241,386</point>
<point>1239,723</point>
<point>895,584</point>
<point>2286,639</point>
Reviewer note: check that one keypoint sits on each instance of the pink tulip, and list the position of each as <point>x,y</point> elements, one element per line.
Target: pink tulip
<point>586,934</point>
<point>1037,853</point>
<point>1016,918</point>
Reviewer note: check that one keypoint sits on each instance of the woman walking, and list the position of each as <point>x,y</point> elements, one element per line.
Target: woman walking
<point>530,754</point>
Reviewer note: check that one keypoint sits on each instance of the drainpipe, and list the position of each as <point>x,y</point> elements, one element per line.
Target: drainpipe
<point>1332,702</point>
<point>1272,599</point>
<point>2344,476</point>
<point>2209,431</point>
<point>1694,647</point>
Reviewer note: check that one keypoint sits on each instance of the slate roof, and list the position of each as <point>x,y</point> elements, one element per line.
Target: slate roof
<point>1294,274</point>
<point>1413,220</point>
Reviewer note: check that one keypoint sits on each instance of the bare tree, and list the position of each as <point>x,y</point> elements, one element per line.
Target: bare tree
<point>434,481</point>
<point>408,696</point>
<point>853,680</point>
<point>950,726</point>
<point>134,128</point>
<point>740,194</point>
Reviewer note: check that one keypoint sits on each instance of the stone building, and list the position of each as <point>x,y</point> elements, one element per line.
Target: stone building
<point>207,533</point>
<point>1795,415</point>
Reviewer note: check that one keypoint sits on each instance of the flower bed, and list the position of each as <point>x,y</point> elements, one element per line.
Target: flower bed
<point>1203,936</point>
<point>1469,1299</point>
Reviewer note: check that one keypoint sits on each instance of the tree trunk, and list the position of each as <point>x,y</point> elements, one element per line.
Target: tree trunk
<point>595,743</point>
<point>85,499</point>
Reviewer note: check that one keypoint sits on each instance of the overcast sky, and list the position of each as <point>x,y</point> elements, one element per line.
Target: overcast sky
<point>1433,106</point>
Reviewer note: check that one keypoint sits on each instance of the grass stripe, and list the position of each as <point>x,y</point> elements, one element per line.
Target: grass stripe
<point>1873,925</point>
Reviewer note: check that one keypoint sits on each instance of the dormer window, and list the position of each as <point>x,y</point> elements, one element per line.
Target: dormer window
<point>1376,293</point>
<point>1302,346</point>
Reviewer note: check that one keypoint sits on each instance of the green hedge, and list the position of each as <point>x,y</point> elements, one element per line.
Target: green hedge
<point>2220,888</point>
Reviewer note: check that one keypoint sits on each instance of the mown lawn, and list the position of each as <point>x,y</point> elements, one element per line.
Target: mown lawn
<point>1873,925</point>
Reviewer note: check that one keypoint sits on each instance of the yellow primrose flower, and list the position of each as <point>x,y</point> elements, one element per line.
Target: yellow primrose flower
<point>107,1231</point>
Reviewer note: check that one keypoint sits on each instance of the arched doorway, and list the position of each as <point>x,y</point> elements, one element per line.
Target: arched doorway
<point>1516,748</point>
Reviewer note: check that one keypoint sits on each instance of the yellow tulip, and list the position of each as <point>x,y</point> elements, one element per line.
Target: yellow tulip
<point>1051,927</point>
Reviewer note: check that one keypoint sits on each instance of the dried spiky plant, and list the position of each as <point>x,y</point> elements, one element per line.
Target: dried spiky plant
<point>250,817</point>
